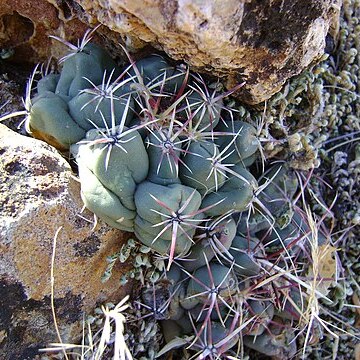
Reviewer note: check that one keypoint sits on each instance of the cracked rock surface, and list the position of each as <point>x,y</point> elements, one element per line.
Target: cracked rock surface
<point>260,42</point>
<point>263,43</point>
<point>38,195</point>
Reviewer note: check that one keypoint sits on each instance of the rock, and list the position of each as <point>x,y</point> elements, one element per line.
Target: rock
<point>261,42</point>
<point>38,195</point>
<point>25,27</point>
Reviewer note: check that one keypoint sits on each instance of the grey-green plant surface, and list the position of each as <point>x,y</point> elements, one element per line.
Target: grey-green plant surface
<point>238,254</point>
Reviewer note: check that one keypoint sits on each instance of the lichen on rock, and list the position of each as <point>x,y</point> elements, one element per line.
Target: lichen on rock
<point>39,195</point>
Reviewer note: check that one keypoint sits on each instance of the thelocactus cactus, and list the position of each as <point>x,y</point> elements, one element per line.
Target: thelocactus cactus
<point>150,145</point>
<point>159,155</point>
<point>106,156</point>
<point>58,113</point>
<point>167,216</point>
<point>214,240</point>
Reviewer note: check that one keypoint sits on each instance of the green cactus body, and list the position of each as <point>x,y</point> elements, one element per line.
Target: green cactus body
<point>264,312</point>
<point>297,231</point>
<point>205,113</point>
<point>102,202</point>
<point>244,145</point>
<point>211,341</point>
<point>213,242</point>
<point>253,225</point>
<point>163,157</point>
<point>90,63</point>
<point>149,229</point>
<point>146,228</point>
<point>279,343</point>
<point>242,251</point>
<point>201,252</point>
<point>159,244</point>
<point>135,122</point>
<point>280,237</point>
<point>175,184</point>
<point>199,313</point>
<point>196,170</point>
<point>293,309</point>
<point>189,303</point>
<point>175,274</point>
<point>205,281</point>
<point>247,162</point>
<point>89,111</point>
<point>176,311</point>
<point>224,231</point>
<point>173,195</point>
<point>50,121</point>
<point>235,195</point>
<point>164,209</point>
<point>219,333</point>
<point>118,168</point>
<point>154,70</point>
<point>47,83</point>
<point>282,186</point>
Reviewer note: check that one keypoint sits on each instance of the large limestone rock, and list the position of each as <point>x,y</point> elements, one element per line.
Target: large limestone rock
<point>260,42</point>
<point>38,195</point>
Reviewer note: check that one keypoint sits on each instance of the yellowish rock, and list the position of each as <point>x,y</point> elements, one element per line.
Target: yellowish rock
<point>38,195</point>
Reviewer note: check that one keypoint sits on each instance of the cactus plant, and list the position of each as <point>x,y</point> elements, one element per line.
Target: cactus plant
<point>235,195</point>
<point>246,142</point>
<point>93,107</point>
<point>167,216</point>
<point>164,153</point>
<point>243,253</point>
<point>214,240</point>
<point>210,285</point>
<point>157,74</point>
<point>161,155</point>
<point>49,120</point>
<point>278,343</point>
<point>196,167</point>
<point>214,341</point>
<point>114,159</point>
<point>88,64</point>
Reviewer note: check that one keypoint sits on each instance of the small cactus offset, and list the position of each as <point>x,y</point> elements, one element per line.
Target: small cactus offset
<point>160,154</point>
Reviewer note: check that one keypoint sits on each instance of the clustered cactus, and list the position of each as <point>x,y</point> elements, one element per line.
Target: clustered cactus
<point>220,292</point>
<point>161,155</point>
<point>150,145</point>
